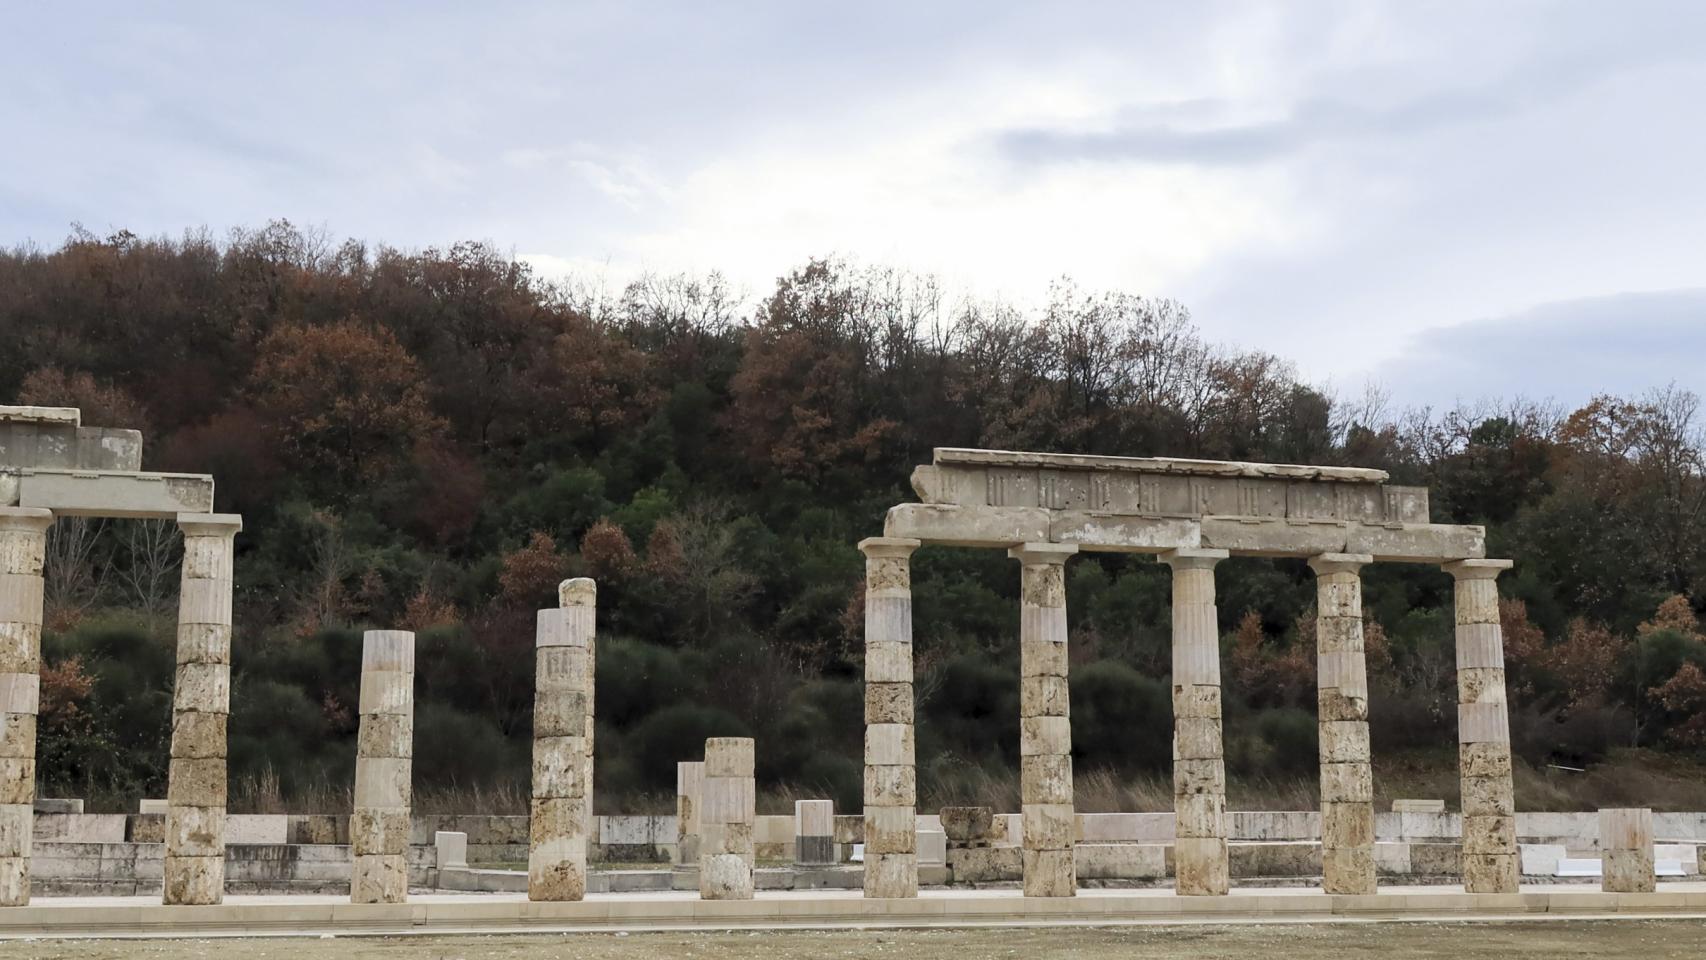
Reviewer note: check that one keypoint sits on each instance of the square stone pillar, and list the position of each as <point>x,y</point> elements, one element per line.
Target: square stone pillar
<point>891,775</point>
<point>1045,722</point>
<point>23,542</point>
<point>560,821</point>
<point>1347,780</point>
<point>689,791</point>
<point>201,703</point>
<point>814,831</point>
<point>1490,861</point>
<point>1626,851</point>
<point>1201,867</point>
<point>583,592</point>
<point>725,823</point>
<point>384,766</point>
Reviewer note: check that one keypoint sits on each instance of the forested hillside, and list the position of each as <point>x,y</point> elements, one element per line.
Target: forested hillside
<point>433,440</point>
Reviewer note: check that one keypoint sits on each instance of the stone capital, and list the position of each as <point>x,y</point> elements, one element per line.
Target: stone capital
<point>889,547</point>
<point>1326,563</point>
<point>210,524</point>
<point>1042,552</point>
<point>1476,569</point>
<point>1193,558</point>
<point>577,592</point>
<point>28,519</point>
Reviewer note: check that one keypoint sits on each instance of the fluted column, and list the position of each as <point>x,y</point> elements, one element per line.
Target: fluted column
<point>1490,861</point>
<point>1347,779</point>
<point>1199,765</point>
<point>1045,722</point>
<point>23,540</point>
<point>579,592</point>
<point>725,824</point>
<point>561,814</point>
<point>384,766</point>
<point>201,703</point>
<point>891,776</point>
<point>689,791</point>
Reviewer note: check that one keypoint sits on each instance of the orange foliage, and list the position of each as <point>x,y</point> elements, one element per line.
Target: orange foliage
<point>1584,661</point>
<point>1685,693</point>
<point>1675,613</point>
<point>64,687</point>
<point>102,406</point>
<point>607,552</point>
<point>426,609</point>
<point>664,558</point>
<point>531,574</point>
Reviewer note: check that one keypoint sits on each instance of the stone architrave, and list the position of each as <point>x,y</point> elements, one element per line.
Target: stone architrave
<point>1490,858</point>
<point>583,592</point>
<point>23,540</point>
<point>379,828</point>
<point>725,822</point>
<point>1626,850</point>
<point>561,814</point>
<point>1045,723</point>
<point>1201,864</point>
<point>1347,780</point>
<point>194,867</point>
<point>689,791</point>
<point>891,822</point>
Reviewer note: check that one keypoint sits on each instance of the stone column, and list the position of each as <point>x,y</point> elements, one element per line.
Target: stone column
<point>583,592</point>
<point>1045,722</point>
<point>1347,780</point>
<point>689,791</point>
<point>1199,765</point>
<point>814,831</point>
<point>379,829</point>
<point>201,702</point>
<point>1626,851</point>
<point>891,784</point>
<point>1490,862</point>
<point>725,823</point>
<point>560,819</point>
<point>23,541</point>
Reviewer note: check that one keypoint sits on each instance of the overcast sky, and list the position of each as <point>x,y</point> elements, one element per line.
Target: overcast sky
<point>1460,200</point>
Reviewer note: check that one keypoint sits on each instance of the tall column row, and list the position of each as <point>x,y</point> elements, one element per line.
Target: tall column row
<point>384,766</point>
<point>1045,722</point>
<point>1200,858</point>
<point>23,540</point>
<point>561,812</point>
<point>891,822</point>
<point>201,703</point>
<point>1347,778</point>
<point>1490,860</point>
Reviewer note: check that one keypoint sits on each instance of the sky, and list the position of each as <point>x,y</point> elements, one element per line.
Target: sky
<point>1453,200</point>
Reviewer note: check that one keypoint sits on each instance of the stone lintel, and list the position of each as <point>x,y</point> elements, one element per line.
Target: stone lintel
<point>895,547</point>
<point>1171,465</point>
<point>93,493</point>
<point>1042,552</point>
<point>1327,563</point>
<point>210,524</point>
<point>957,526</point>
<point>64,416</point>
<point>1124,533</point>
<point>1477,569</point>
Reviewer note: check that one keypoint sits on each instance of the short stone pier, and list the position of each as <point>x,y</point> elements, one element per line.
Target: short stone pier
<point>725,823</point>
<point>1626,851</point>
<point>379,827</point>
<point>814,831</point>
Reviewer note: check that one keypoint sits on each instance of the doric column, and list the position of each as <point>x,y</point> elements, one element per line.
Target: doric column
<point>725,844</point>
<point>23,540</point>
<point>1045,722</point>
<point>814,831</point>
<point>379,828</point>
<point>201,702</point>
<point>1347,780</point>
<point>583,592</point>
<point>891,776</point>
<point>1199,764</point>
<point>561,814</point>
<point>689,791</point>
<point>1490,863</point>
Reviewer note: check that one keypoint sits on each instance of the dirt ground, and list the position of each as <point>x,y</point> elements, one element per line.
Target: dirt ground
<point>1649,940</point>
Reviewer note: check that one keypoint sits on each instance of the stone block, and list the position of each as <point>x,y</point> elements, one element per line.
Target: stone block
<point>556,869</point>
<point>1197,738</point>
<point>1199,776</point>
<point>725,876</point>
<point>1195,700</point>
<point>146,828</point>
<point>386,735</point>
<point>560,767</point>
<point>559,713</point>
<point>1347,783</point>
<point>379,878</point>
<point>1480,685</point>
<point>1491,872</point>
<point>1344,742</point>
<point>1201,867</point>
<point>1628,871</point>
<point>727,800</point>
<point>932,848</point>
<point>207,558</point>
<point>1050,872</point>
<point>1120,861</point>
<point>17,825</point>
<point>379,831</point>
<point>1489,834</point>
<point>849,829</point>
<point>1348,870</point>
<point>1392,859</point>
<point>1347,824</point>
<point>1436,859</point>
<point>1418,806</point>
<point>728,757</point>
<point>964,825</point>
<point>1274,859</point>
<point>889,744</point>
<point>204,601</point>
<point>1043,735</point>
<point>1050,826</point>
<point>1043,660</point>
<point>194,880</point>
<point>1540,859</point>
<point>893,786</point>
<point>382,782</point>
<point>968,526</point>
<point>891,876</point>
<point>1044,696</point>
<point>198,735</point>
<point>890,830</point>
<point>1274,825</point>
<point>20,693</point>
<point>387,691</point>
<point>1046,778</point>
<point>1629,828</point>
<point>196,782</point>
<point>20,647</point>
<point>888,703</point>
<point>195,831</point>
<point>18,735</point>
<point>888,662</point>
<point>1488,796</point>
<point>203,686</point>
<point>985,864</point>
<point>1200,815</point>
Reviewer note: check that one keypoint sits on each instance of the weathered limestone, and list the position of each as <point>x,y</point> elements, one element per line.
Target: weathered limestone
<point>1347,780</point>
<point>23,539</point>
<point>814,831</point>
<point>891,823</point>
<point>561,812</point>
<point>689,791</point>
<point>725,822</point>
<point>1490,856</point>
<point>583,592</point>
<point>379,828</point>
<point>201,702</point>
<point>1201,863</point>
<point>1626,851</point>
<point>1045,723</point>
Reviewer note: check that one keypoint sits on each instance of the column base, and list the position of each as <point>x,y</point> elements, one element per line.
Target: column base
<point>1050,873</point>
<point>556,870</point>
<point>198,881</point>
<point>1348,870</point>
<point>1491,872</point>
<point>725,876</point>
<point>1628,871</point>
<point>379,878</point>
<point>14,881</point>
<point>1201,867</point>
<point>891,876</point>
